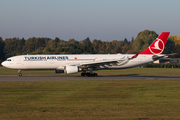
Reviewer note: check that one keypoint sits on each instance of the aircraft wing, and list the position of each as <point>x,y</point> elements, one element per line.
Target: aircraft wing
<point>101,62</point>
<point>104,63</point>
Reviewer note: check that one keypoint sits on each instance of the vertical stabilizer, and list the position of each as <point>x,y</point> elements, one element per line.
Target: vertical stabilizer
<point>158,45</point>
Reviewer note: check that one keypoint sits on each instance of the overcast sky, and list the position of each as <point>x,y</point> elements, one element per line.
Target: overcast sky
<point>97,19</point>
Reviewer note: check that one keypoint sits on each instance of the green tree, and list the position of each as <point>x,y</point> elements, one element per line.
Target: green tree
<point>29,46</point>
<point>170,47</point>
<point>118,46</point>
<point>102,49</point>
<point>10,48</point>
<point>143,40</point>
<point>57,40</point>
<point>126,41</point>
<point>86,46</point>
<point>20,46</point>
<point>126,48</point>
<point>50,47</point>
<point>73,46</point>
<point>96,45</point>
<point>2,55</point>
<point>39,44</point>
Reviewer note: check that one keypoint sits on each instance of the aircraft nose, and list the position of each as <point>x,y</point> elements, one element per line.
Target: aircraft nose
<point>3,64</point>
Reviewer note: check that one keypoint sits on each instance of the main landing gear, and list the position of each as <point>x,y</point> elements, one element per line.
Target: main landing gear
<point>89,74</point>
<point>20,74</point>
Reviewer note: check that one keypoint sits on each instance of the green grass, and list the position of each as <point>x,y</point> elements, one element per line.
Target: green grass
<point>90,100</point>
<point>93,100</point>
<point>131,71</point>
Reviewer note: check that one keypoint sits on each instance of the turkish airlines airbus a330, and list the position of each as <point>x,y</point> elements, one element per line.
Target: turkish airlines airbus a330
<point>75,63</point>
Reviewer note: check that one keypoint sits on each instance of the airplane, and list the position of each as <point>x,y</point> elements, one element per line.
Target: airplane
<point>74,63</point>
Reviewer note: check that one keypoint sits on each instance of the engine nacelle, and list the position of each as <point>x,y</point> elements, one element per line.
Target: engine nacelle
<point>59,71</point>
<point>71,69</point>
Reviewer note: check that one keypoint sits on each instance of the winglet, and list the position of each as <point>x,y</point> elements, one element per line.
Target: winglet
<point>157,47</point>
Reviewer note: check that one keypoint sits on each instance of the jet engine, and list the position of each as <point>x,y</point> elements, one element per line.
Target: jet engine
<point>71,69</point>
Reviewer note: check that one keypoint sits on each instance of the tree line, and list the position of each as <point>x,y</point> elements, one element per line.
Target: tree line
<point>16,46</point>
<point>161,65</point>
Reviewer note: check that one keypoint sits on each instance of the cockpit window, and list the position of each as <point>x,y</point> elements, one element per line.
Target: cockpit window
<point>8,60</point>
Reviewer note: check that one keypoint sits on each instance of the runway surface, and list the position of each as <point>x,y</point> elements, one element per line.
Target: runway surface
<point>76,77</point>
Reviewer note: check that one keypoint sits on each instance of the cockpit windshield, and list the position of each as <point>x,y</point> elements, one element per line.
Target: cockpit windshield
<point>8,60</point>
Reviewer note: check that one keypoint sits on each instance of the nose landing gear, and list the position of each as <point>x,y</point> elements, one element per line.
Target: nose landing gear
<point>20,74</point>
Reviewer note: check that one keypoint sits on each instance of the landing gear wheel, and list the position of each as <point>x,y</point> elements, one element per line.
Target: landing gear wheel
<point>89,74</point>
<point>83,74</point>
<point>95,75</point>
<point>20,74</point>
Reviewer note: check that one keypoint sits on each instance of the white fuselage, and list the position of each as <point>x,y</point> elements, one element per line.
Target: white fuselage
<point>58,62</point>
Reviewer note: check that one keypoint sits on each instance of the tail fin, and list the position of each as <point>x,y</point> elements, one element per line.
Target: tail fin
<point>158,45</point>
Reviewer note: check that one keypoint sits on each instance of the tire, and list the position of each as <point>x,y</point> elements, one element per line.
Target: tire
<point>20,75</point>
<point>95,75</point>
<point>83,74</point>
<point>89,74</point>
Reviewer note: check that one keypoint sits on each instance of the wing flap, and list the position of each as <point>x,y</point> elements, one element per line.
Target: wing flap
<point>101,63</point>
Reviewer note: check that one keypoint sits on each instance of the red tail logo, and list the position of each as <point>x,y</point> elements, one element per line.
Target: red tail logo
<point>158,45</point>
